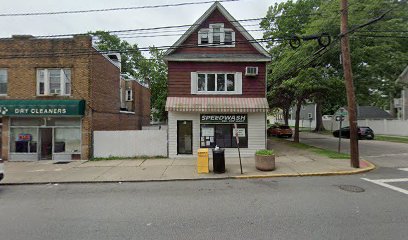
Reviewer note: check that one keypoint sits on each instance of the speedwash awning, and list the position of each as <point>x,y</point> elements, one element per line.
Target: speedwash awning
<point>216,104</point>
<point>42,107</point>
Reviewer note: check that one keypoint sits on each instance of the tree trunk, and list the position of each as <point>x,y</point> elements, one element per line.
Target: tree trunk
<point>393,111</point>
<point>298,107</point>
<point>319,118</point>
<point>286,115</point>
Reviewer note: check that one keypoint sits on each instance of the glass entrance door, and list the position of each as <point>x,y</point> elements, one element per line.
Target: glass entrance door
<point>184,137</point>
<point>46,143</point>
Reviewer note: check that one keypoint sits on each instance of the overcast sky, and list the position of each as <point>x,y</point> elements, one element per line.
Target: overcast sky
<point>118,20</point>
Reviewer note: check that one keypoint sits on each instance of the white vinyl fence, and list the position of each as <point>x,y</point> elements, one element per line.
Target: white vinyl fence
<point>303,123</point>
<point>130,143</point>
<point>382,127</point>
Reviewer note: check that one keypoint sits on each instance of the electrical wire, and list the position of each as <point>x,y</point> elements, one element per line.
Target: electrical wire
<point>109,9</point>
<point>321,52</point>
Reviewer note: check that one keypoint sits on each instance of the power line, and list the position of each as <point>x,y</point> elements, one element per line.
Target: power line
<point>109,9</point>
<point>178,34</point>
<point>318,54</point>
<point>132,30</point>
<point>157,28</point>
<point>81,52</point>
<point>170,31</point>
<point>379,36</point>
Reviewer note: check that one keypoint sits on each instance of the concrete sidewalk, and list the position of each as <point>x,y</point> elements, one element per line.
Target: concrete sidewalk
<point>289,162</point>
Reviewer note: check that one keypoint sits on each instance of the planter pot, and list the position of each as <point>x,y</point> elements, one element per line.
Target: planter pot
<point>265,163</point>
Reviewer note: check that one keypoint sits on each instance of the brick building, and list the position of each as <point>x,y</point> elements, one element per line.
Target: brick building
<point>216,87</point>
<point>55,92</point>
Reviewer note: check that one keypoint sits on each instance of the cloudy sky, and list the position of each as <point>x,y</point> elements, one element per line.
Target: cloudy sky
<point>119,20</point>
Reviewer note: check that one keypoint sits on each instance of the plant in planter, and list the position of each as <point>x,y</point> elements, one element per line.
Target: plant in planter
<point>265,160</point>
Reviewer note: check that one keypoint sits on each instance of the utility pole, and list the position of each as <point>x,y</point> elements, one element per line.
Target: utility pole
<point>348,77</point>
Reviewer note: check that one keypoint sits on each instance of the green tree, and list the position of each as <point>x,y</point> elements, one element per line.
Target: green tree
<point>155,72</point>
<point>305,86</point>
<point>131,57</point>
<point>379,51</point>
<point>152,72</point>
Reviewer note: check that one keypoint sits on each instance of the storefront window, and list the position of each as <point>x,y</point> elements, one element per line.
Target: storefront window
<point>48,135</point>
<point>67,140</point>
<point>222,135</point>
<point>23,140</point>
<point>27,122</point>
<point>63,122</point>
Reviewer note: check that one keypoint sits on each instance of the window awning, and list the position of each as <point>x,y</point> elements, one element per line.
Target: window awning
<point>216,104</point>
<point>42,107</point>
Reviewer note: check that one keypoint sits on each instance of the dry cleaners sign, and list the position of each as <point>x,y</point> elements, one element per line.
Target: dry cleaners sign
<point>41,108</point>
<point>224,118</point>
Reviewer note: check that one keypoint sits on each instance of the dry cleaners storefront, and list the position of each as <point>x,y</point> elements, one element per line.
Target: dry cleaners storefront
<point>41,129</point>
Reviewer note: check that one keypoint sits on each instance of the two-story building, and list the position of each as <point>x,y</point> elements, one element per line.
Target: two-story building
<point>216,79</point>
<point>55,92</point>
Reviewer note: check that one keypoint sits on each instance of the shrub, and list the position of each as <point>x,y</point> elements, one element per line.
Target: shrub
<point>264,152</point>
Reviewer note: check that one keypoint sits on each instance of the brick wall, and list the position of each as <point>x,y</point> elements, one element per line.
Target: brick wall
<point>106,99</point>
<point>94,79</point>
<point>43,53</point>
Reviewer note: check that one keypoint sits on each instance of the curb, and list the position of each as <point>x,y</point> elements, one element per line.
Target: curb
<point>370,166</point>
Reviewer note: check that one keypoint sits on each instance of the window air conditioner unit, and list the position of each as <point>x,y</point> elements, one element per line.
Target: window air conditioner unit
<point>55,91</point>
<point>251,71</point>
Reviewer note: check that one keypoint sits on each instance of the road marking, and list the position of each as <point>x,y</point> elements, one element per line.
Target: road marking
<point>384,183</point>
<point>403,169</point>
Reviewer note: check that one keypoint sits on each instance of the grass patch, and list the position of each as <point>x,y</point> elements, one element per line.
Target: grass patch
<point>264,152</point>
<point>391,138</point>
<point>320,151</point>
<point>127,158</point>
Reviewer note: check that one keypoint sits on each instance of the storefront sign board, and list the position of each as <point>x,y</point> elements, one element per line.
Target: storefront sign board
<point>24,137</point>
<point>240,131</point>
<point>41,107</point>
<point>224,118</point>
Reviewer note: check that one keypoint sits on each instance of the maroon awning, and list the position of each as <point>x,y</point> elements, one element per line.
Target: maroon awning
<point>216,104</point>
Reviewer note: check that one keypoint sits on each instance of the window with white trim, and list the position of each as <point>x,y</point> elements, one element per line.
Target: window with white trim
<point>129,95</point>
<point>217,36</point>
<point>216,83</point>
<point>3,81</point>
<point>54,81</point>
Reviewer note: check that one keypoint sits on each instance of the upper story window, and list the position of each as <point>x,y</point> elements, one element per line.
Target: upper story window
<point>216,36</point>
<point>54,81</point>
<point>3,81</point>
<point>129,95</point>
<point>216,83</point>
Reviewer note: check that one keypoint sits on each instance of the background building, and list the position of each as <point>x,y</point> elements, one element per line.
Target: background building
<point>55,93</point>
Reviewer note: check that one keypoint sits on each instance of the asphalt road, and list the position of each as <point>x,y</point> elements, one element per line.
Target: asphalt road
<point>280,208</point>
<point>381,153</point>
<point>364,206</point>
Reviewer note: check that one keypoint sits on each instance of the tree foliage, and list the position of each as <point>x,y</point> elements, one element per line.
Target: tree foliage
<point>379,52</point>
<point>152,72</point>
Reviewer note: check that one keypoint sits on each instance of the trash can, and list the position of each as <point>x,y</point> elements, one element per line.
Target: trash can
<point>218,160</point>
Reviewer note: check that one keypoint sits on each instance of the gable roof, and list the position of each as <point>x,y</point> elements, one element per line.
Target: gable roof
<point>230,18</point>
<point>403,77</point>
<point>370,112</point>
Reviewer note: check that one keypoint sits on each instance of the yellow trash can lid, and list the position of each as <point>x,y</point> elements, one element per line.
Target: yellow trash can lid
<point>203,150</point>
